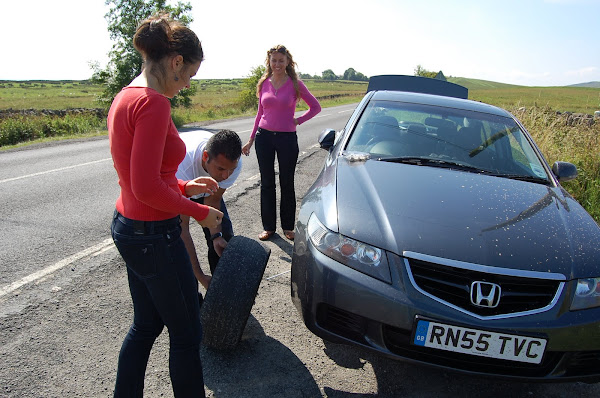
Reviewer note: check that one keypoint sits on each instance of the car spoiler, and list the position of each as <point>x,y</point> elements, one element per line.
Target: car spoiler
<point>417,84</point>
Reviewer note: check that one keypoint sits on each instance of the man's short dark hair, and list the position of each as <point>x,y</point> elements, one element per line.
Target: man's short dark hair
<point>226,143</point>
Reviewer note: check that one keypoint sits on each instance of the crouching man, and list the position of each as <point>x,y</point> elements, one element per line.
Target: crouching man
<point>215,155</point>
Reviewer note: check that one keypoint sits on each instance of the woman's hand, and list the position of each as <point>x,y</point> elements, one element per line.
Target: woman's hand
<point>213,219</point>
<point>201,185</point>
<point>246,148</point>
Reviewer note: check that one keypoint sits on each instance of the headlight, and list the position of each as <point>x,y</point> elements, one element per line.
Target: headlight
<point>352,253</point>
<point>587,294</point>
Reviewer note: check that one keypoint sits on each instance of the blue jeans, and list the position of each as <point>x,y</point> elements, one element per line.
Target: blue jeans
<point>164,292</point>
<point>285,146</point>
<point>226,230</point>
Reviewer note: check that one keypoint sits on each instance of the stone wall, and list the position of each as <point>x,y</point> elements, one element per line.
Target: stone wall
<point>4,113</point>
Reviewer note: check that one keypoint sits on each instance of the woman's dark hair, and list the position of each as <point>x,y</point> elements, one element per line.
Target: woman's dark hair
<point>161,36</point>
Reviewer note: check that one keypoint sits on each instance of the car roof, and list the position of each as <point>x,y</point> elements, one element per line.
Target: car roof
<point>438,100</point>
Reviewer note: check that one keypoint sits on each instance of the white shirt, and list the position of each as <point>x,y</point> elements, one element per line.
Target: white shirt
<point>191,166</point>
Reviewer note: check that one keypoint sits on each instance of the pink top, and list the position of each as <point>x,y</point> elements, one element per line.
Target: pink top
<point>276,107</point>
<point>146,150</point>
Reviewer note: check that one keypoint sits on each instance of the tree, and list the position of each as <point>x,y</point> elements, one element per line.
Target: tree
<point>349,74</point>
<point>125,63</point>
<point>361,78</point>
<point>248,99</point>
<point>420,71</point>
<point>329,75</point>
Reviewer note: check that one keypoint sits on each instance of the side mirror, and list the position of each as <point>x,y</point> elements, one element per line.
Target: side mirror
<point>564,171</point>
<point>326,138</point>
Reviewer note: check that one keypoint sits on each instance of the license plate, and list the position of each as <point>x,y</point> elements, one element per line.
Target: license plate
<point>479,342</point>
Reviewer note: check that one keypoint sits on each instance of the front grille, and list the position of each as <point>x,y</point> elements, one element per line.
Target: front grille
<point>452,285</point>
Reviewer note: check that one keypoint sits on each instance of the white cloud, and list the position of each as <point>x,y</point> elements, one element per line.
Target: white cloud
<point>582,72</point>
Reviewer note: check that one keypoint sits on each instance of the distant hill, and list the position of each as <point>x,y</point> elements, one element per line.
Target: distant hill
<point>588,84</point>
<point>476,84</point>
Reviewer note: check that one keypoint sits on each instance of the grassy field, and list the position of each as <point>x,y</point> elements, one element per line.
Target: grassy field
<point>215,94</point>
<point>218,99</point>
<point>564,99</point>
<point>541,109</point>
<point>218,96</point>
<point>48,94</point>
<point>215,99</point>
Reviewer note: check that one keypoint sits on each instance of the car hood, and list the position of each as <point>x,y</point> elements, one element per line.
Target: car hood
<point>467,217</point>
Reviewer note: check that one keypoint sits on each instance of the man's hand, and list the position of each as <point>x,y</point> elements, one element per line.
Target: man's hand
<point>219,244</point>
<point>204,280</point>
<point>201,185</point>
<point>191,249</point>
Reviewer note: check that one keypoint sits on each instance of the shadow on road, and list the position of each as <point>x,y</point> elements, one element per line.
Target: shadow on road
<point>402,379</point>
<point>259,366</point>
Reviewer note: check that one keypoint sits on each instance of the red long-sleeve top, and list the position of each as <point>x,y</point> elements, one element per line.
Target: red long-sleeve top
<point>146,151</point>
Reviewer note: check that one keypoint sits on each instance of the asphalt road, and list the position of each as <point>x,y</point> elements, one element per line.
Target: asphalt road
<point>56,200</point>
<point>65,305</point>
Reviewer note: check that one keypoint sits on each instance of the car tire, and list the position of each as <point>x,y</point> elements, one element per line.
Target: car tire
<point>231,293</point>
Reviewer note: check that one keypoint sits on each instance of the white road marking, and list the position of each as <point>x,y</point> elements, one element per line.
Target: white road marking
<point>54,170</point>
<point>275,276</point>
<point>90,251</point>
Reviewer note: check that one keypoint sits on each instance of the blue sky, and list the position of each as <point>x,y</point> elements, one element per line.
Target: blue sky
<point>526,42</point>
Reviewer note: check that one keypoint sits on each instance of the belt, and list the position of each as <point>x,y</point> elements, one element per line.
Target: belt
<point>149,227</point>
<point>262,130</point>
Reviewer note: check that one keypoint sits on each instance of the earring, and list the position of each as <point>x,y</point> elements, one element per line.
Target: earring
<point>176,78</point>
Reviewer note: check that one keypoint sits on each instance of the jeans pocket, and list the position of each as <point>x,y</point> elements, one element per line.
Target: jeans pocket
<point>146,255</point>
<point>143,258</point>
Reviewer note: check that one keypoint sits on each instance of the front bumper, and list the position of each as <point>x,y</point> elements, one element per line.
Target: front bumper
<point>342,305</point>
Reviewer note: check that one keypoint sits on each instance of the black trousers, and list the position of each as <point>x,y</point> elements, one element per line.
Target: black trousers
<point>284,145</point>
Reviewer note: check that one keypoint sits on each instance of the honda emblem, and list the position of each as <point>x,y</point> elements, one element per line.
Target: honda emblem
<point>485,294</point>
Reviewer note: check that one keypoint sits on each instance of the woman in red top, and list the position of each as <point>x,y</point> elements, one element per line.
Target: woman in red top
<point>146,151</point>
<point>278,92</point>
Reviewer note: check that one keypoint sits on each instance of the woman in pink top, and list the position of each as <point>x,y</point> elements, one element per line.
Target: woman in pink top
<point>278,92</point>
<point>146,151</point>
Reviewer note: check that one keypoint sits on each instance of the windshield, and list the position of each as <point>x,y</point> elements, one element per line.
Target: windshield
<point>470,140</point>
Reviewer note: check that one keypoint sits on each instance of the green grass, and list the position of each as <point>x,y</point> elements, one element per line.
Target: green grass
<point>48,94</point>
<point>541,109</point>
<point>23,128</point>
<point>564,99</point>
<point>559,139</point>
<point>219,99</point>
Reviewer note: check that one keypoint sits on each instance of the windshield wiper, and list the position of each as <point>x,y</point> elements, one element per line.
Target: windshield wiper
<point>419,161</point>
<point>521,177</point>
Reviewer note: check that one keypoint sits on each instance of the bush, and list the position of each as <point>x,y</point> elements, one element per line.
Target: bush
<point>579,143</point>
<point>247,96</point>
<point>22,128</point>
